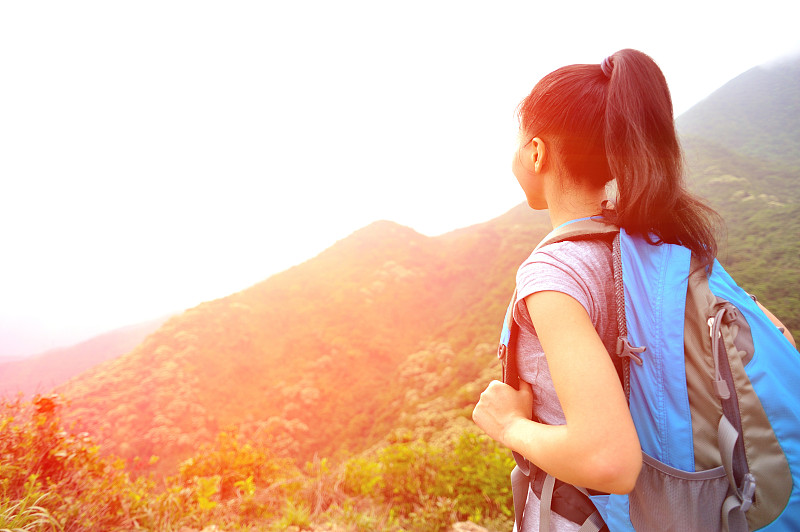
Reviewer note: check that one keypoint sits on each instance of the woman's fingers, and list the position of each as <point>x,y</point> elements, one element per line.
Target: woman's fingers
<point>500,405</point>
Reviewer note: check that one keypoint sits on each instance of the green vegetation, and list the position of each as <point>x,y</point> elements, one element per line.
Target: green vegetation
<point>56,480</point>
<point>744,157</point>
<point>760,204</point>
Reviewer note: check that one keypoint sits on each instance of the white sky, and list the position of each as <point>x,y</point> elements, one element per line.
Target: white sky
<point>156,154</point>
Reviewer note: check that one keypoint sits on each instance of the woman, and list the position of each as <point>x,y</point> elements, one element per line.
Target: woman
<point>582,127</point>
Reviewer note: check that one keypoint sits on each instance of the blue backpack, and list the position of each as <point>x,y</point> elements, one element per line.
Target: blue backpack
<point>712,391</point>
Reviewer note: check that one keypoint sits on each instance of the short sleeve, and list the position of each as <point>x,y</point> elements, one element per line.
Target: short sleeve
<point>546,269</point>
<point>584,271</point>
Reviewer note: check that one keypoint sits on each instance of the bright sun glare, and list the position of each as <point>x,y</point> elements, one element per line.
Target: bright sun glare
<point>156,155</point>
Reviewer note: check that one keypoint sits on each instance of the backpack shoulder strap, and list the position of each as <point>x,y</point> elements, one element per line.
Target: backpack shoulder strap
<point>508,346</point>
<point>571,502</point>
<point>583,229</point>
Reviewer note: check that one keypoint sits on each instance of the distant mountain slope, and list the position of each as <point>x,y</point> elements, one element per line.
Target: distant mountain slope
<point>708,160</point>
<point>309,360</point>
<point>41,373</point>
<point>756,114</point>
<point>760,204</point>
<point>742,146</point>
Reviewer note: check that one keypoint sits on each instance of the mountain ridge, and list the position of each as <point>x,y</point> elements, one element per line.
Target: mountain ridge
<point>757,113</point>
<point>277,348</point>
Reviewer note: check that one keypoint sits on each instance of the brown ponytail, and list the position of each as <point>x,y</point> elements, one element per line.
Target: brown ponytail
<point>615,122</point>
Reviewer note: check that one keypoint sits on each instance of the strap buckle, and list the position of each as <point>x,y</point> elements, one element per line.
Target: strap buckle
<point>748,491</point>
<point>625,349</point>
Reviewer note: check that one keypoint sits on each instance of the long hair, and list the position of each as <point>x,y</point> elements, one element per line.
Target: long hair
<point>615,122</point>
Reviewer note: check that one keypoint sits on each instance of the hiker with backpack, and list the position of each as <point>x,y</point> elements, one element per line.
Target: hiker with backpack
<point>652,437</point>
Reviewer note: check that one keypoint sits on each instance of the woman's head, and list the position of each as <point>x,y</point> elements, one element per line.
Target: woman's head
<point>567,109</point>
<point>613,121</point>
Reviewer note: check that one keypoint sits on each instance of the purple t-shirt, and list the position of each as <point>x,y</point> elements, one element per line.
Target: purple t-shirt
<point>583,270</point>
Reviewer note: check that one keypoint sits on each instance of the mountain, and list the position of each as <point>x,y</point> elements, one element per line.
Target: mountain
<point>312,359</point>
<point>756,114</point>
<point>43,372</point>
<point>390,332</point>
<point>761,208</point>
<point>742,147</point>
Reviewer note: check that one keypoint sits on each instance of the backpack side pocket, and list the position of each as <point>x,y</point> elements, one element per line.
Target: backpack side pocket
<point>661,490</point>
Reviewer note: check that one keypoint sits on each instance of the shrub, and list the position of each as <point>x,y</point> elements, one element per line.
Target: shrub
<point>432,486</point>
<point>74,488</point>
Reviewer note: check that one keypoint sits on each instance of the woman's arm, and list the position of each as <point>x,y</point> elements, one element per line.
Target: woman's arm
<point>598,447</point>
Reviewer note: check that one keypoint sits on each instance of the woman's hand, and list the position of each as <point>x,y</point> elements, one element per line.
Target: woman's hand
<point>500,406</point>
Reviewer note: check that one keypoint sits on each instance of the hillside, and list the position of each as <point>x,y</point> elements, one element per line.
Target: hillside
<point>761,208</point>
<point>43,372</point>
<point>756,114</point>
<point>309,361</point>
<point>742,146</point>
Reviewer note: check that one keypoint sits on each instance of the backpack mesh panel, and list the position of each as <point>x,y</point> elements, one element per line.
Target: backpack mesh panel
<point>661,489</point>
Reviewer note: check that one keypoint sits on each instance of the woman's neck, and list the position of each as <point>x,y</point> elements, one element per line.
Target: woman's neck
<point>575,205</point>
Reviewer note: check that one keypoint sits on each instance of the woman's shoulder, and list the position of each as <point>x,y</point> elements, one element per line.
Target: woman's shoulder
<point>587,263</point>
<point>591,253</point>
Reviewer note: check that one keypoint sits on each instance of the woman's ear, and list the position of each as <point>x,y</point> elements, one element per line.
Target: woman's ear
<point>538,154</point>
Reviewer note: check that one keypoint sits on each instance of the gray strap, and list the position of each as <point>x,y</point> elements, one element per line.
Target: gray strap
<point>593,523</point>
<point>739,500</point>
<point>582,228</point>
<point>727,435</point>
<point>546,501</point>
<point>720,386</point>
<point>622,327</point>
<point>519,488</point>
<point>733,519</point>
